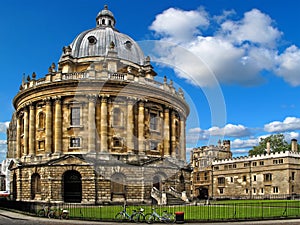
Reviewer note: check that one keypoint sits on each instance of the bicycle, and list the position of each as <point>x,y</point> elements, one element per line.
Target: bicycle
<point>123,215</point>
<point>58,213</point>
<point>155,217</point>
<point>138,217</point>
<point>44,211</point>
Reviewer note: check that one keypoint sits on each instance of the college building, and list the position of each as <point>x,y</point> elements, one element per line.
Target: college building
<point>98,128</point>
<point>273,175</point>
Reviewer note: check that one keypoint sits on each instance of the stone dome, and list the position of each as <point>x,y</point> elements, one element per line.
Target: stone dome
<point>97,42</point>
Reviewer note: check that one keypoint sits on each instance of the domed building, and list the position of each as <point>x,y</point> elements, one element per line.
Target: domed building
<point>98,128</point>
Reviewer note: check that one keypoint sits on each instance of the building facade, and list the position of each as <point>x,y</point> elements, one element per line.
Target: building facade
<point>271,175</point>
<point>98,127</point>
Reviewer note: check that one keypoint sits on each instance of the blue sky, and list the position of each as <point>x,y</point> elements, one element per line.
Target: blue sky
<point>240,67</point>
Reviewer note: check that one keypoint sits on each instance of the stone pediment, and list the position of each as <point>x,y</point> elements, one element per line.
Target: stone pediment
<point>14,164</point>
<point>69,159</point>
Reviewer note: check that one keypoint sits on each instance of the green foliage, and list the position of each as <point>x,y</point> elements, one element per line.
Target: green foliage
<point>277,144</point>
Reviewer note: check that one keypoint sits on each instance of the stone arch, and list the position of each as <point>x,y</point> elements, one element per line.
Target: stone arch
<point>35,185</point>
<point>72,186</point>
<point>118,185</point>
<point>158,180</point>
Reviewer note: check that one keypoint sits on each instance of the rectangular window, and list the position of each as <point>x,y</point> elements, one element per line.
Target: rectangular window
<point>293,176</point>
<point>216,168</point>
<point>234,166</point>
<point>221,180</point>
<point>244,178</point>
<point>261,163</point>
<point>41,145</point>
<point>153,121</point>
<point>254,190</point>
<point>262,190</point>
<point>205,176</point>
<point>231,179</point>
<point>75,116</point>
<point>275,189</point>
<point>75,142</point>
<point>254,177</point>
<point>246,164</point>
<point>246,191</point>
<point>254,164</point>
<point>275,161</point>
<point>268,177</point>
<point>221,190</point>
<point>153,145</point>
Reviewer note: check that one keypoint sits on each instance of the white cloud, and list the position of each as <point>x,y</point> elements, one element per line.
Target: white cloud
<point>3,126</point>
<point>178,24</point>
<point>255,27</point>
<point>234,52</point>
<point>291,135</point>
<point>248,143</point>
<point>289,124</point>
<point>230,130</point>
<point>289,65</point>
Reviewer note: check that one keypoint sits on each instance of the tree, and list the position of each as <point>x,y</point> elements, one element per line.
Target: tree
<point>277,144</point>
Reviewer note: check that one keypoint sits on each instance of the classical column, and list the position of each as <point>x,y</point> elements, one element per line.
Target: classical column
<point>103,130</point>
<point>92,126</point>
<point>141,128</point>
<point>182,138</point>
<point>18,144</point>
<point>166,132</point>
<point>26,134</point>
<point>130,124</point>
<point>173,134</point>
<point>58,127</point>
<point>31,130</point>
<point>48,139</point>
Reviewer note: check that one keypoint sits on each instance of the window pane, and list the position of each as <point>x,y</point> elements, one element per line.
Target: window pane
<point>75,116</point>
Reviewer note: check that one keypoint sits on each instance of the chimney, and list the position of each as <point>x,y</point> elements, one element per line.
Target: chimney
<point>268,147</point>
<point>294,145</point>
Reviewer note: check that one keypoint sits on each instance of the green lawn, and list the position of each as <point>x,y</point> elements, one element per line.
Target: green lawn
<point>217,210</point>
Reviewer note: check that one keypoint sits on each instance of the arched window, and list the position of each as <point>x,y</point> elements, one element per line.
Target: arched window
<point>22,125</point>
<point>35,185</point>
<point>177,130</point>
<point>103,21</point>
<point>41,120</point>
<point>118,183</point>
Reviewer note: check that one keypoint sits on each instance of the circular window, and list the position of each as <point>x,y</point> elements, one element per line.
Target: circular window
<point>128,44</point>
<point>92,40</point>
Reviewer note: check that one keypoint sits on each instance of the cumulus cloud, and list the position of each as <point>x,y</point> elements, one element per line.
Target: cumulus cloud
<point>233,51</point>
<point>230,130</point>
<point>178,24</point>
<point>289,124</point>
<point>242,144</point>
<point>3,126</point>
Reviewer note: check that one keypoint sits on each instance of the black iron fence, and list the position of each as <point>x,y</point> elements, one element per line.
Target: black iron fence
<point>204,211</point>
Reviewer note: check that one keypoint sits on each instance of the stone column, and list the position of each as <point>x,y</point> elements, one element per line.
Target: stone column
<point>18,145</point>
<point>48,139</point>
<point>92,125</point>
<point>166,132</point>
<point>58,127</point>
<point>173,134</point>
<point>141,128</point>
<point>130,125</point>
<point>182,138</point>
<point>26,134</point>
<point>103,130</point>
<point>31,130</point>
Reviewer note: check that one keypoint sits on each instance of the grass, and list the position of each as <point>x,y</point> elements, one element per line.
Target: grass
<point>218,210</point>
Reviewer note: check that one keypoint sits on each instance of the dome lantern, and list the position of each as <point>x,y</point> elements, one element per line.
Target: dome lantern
<point>105,18</point>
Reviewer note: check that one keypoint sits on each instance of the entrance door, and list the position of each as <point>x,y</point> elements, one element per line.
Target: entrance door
<point>157,182</point>
<point>203,193</point>
<point>72,187</point>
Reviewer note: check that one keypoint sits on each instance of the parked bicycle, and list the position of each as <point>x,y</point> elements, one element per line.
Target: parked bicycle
<point>123,215</point>
<point>155,217</point>
<point>58,213</point>
<point>44,211</point>
<point>136,216</point>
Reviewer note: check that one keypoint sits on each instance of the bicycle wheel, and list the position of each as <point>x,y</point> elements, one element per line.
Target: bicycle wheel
<point>138,218</point>
<point>41,213</point>
<point>171,218</point>
<point>120,217</point>
<point>149,218</point>
<point>51,214</point>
